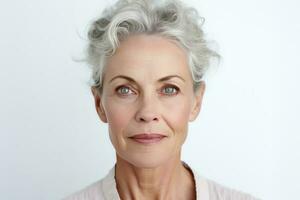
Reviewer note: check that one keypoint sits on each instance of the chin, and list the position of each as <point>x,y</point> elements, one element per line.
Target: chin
<point>151,163</point>
<point>146,161</point>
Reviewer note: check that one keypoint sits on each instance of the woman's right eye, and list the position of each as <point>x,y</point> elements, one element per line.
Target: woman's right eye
<point>123,90</point>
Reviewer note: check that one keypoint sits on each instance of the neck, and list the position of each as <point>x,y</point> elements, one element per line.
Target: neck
<point>168,181</point>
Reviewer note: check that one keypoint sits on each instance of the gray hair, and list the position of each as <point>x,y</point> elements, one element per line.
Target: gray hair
<point>170,19</point>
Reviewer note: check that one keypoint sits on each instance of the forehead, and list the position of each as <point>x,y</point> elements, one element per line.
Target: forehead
<point>148,56</point>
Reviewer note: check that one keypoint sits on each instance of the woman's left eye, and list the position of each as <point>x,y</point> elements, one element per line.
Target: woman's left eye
<point>170,90</point>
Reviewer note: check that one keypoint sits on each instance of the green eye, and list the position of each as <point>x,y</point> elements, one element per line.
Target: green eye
<point>123,90</point>
<point>171,90</point>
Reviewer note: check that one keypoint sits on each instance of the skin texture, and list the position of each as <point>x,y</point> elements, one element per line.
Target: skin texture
<point>146,105</point>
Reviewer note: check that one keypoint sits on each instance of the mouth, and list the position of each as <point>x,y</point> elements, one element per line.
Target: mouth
<point>148,138</point>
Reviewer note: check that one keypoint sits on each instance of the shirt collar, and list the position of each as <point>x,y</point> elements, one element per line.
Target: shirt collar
<point>109,186</point>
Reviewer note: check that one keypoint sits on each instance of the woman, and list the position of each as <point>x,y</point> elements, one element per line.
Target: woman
<point>148,59</point>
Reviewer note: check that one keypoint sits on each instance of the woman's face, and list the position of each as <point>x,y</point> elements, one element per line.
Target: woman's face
<point>148,88</point>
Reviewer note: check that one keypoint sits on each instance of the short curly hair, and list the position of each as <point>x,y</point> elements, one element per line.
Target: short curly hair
<point>170,19</point>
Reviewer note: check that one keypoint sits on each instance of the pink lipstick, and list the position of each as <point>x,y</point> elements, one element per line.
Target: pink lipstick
<point>148,138</point>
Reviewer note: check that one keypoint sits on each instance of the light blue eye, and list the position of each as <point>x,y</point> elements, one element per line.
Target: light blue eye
<point>170,90</point>
<point>124,90</point>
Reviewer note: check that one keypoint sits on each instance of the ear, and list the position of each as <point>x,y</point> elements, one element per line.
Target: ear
<point>198,102</point>
<point>98,104</point>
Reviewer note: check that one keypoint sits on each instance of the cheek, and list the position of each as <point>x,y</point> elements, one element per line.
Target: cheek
<point>177,119</point>
<point>117,115</point>
<point>178,111</point>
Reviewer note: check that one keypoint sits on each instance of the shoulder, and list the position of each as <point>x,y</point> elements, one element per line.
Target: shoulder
<point>208,189</point>
<point>100,190</point>
<point>217,192</point>
<point>91,192</point>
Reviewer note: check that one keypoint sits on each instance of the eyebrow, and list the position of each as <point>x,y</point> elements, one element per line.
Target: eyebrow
<point>159,80</point>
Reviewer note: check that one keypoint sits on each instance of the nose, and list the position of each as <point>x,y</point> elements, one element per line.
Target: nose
<point>147,110</point>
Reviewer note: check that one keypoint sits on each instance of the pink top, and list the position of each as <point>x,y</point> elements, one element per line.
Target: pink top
<point>105,189</point>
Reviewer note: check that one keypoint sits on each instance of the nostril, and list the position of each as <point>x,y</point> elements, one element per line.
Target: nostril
<point>144,119</point>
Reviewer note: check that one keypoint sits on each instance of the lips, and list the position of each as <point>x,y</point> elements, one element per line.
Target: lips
<point>148,138</point>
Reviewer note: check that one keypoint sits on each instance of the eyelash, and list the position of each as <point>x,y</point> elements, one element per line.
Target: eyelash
<point>167,86</point>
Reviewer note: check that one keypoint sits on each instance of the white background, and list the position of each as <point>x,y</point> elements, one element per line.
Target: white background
<point>247,135</point>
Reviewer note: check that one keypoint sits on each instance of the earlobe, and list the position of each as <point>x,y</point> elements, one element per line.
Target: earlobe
<point>98,104</point>
<point>198,102</point>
